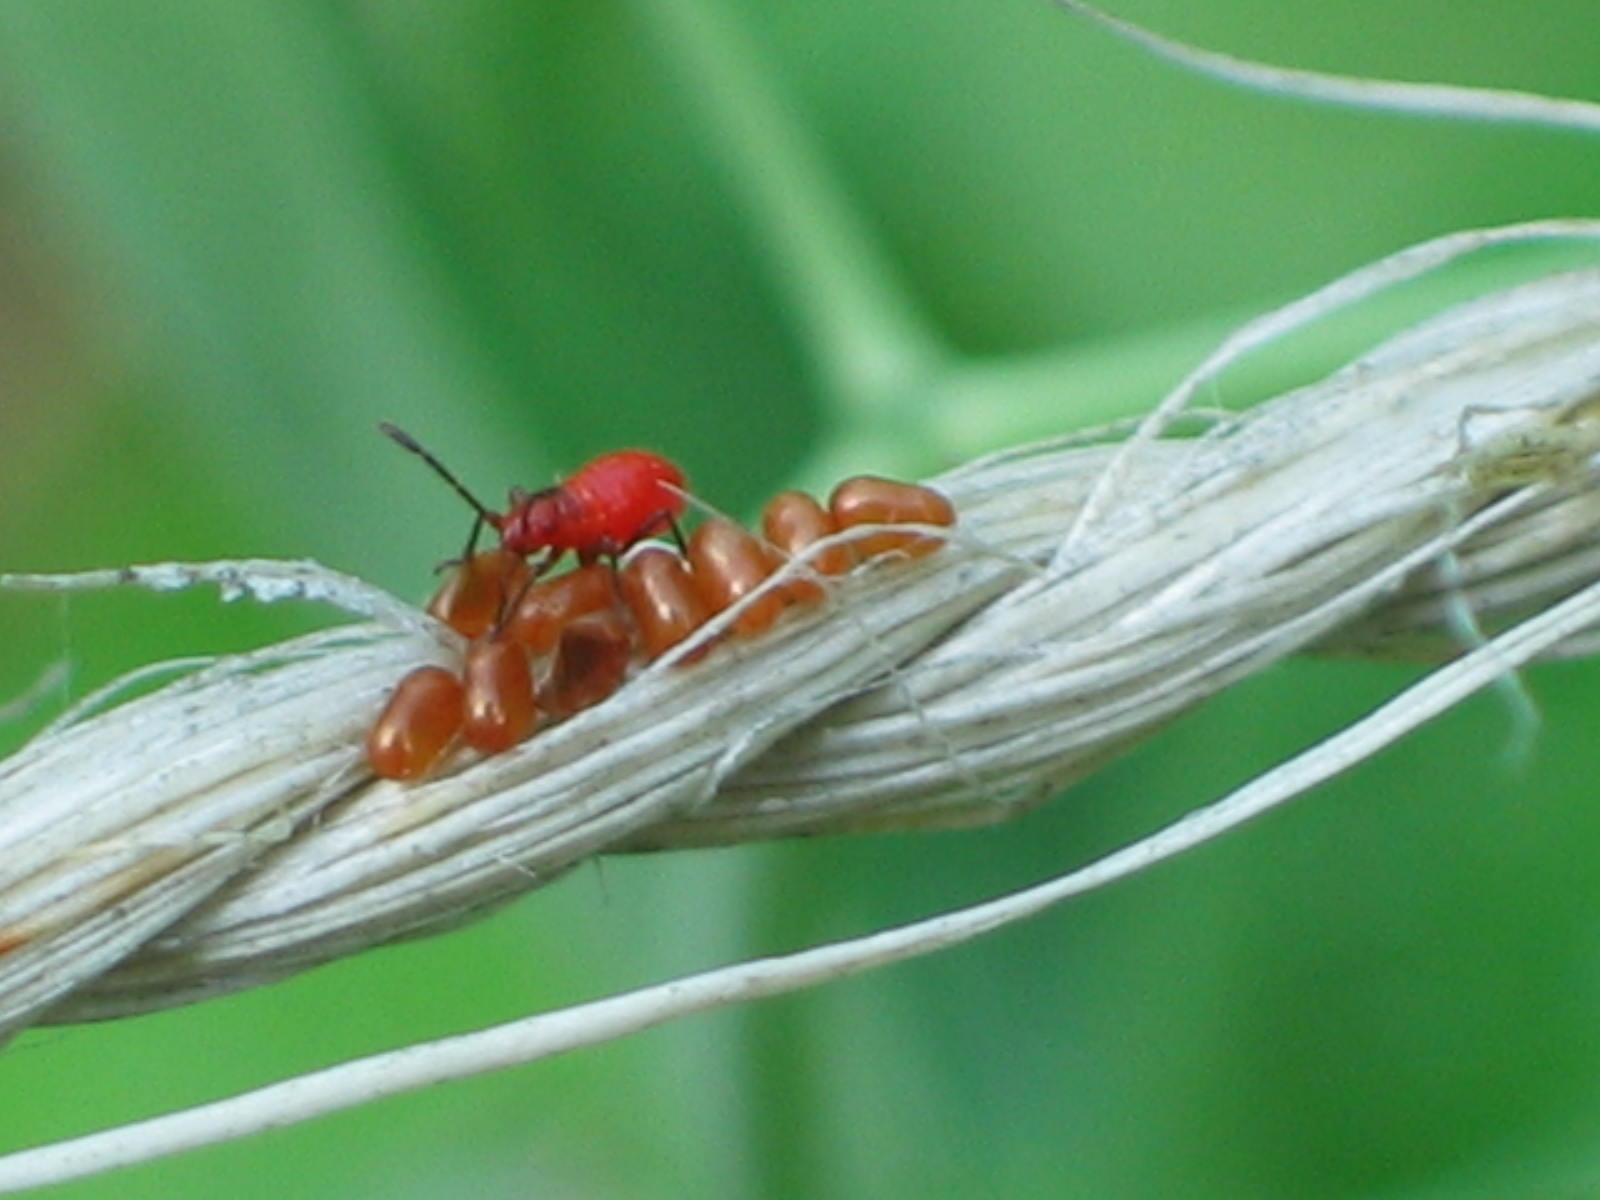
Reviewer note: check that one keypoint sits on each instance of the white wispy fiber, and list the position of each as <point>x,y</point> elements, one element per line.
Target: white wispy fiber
<point>1460,103</point>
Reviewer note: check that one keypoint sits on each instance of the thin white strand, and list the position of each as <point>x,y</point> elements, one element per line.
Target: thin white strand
<point>1453,101</point>
<point>25,703</point>
<point>1343,292</point>
<point>265,580</point>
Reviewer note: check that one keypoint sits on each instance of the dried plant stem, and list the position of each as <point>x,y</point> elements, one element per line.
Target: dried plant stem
<point>544,1036</point>
<point>1091,592</point>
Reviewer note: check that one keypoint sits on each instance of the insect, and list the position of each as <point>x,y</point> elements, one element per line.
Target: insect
<point>577,632</point>
<point>873,500</point>
<point>543,609</point>
<point>659,591</point>
<point>589,661</point>
<point>419,724</point>
<point>793,521</point>
<point>671,596</point>
<point>727,563</point>
<point>499,705</point>
<point>543,648</point>
<point>604,507</point>
<point>475,593</point>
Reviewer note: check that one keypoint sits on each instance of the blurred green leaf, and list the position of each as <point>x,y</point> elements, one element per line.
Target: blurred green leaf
<point>770,240</point>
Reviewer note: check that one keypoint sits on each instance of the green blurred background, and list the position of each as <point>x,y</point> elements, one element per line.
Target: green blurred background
<point>775,240</point>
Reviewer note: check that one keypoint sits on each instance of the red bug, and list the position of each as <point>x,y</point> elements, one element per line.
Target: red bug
<point>474,596</point>
<point>604,507</point>
<point>499,706</point>
<point>587,625</point>
<point>727,563</point>
<point>418,726</point>
<point>873,500</point>
<point>537,617</point>
<point>791,522</point>
<point>589,663</point>
<point>671,596</point>
<point>659,591</point>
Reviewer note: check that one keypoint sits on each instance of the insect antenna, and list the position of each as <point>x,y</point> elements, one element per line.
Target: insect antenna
<point>485,516</point>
